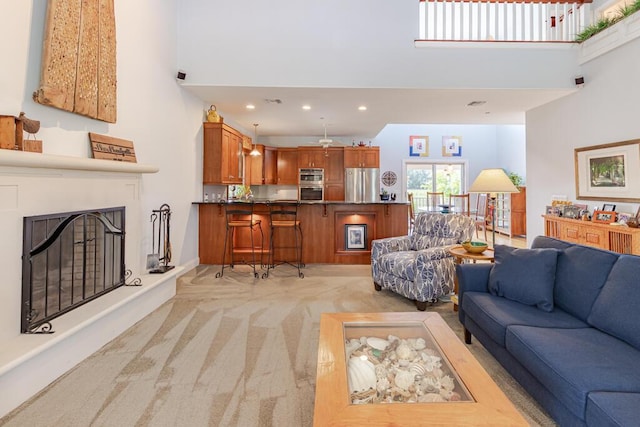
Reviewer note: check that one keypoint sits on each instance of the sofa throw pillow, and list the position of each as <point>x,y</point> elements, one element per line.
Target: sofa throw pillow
<point>524,275</point>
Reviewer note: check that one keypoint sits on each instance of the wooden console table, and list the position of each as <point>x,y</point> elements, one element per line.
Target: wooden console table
<point>616,238</point>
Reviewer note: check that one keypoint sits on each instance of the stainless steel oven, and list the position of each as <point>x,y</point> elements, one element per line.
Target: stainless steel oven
<point>311,193</point>
<point>311,184</point>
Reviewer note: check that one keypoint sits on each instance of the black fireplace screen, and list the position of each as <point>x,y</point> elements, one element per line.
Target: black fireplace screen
<point>69,259</point>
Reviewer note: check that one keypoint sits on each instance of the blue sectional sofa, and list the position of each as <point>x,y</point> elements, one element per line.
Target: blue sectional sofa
<point>564,320</point>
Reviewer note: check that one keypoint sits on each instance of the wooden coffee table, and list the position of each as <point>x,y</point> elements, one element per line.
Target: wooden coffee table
<point>488,404</point>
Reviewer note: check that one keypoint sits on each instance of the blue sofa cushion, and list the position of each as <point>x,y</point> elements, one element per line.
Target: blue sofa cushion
<point>606,409</point>
<point>573,362</point>
<point>617,308</point>
<point>494,314</point>
<point>524,275</point>
<point>581,274</point>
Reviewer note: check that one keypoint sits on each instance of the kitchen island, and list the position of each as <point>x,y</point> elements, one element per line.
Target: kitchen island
<point>325,226</point>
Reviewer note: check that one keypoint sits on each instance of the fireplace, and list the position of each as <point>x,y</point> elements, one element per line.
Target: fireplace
<point>68,260</point>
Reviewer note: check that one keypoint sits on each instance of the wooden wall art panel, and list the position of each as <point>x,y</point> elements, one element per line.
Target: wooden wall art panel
<point>109,148</point>
<point>79,59</point>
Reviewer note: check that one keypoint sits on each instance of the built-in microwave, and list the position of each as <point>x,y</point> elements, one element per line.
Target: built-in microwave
<point>311,193</point>
<point>311,176</point>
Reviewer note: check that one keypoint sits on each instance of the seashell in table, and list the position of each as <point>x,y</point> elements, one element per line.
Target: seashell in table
<point>361,375</point>
<point>404,379</point>
<point>378,343</point>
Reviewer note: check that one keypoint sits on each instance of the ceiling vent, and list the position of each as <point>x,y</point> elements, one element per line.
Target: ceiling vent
<point>476,103</point>
<point>273,101</point>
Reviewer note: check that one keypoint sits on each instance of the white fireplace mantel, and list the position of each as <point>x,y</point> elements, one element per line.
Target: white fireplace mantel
<point>11,158</point>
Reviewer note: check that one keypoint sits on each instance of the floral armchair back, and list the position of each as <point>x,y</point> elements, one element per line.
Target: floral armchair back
<point>436,229</point>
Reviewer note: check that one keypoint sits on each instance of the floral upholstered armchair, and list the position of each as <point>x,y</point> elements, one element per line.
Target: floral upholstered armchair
<point>419,266</point>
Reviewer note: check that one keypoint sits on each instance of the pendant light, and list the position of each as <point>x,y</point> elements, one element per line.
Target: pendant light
<point>255,151</point>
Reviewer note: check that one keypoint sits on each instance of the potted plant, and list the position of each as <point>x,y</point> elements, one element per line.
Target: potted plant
<point>605,22</point>
<point>384,195</point>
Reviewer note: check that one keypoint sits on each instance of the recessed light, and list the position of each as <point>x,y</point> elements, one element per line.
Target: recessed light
<point>306,107</point>
<point>362,108</point>
<point>251,107</point>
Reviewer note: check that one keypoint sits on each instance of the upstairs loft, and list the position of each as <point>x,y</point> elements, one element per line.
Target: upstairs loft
<point>518,21</point>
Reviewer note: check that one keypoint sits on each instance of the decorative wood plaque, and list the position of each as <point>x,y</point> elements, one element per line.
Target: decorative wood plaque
<point>110,148</point>
<point>79,58</point>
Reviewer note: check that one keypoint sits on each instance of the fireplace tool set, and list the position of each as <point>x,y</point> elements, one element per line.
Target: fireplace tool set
<point>160,257</point>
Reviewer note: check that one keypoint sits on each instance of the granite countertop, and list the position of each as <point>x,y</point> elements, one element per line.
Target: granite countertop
<point>263,201</point>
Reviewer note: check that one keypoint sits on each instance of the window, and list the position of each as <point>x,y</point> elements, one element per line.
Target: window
<point>435,177</point>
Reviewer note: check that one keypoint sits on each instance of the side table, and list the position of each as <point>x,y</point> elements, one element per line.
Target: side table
<point>460,254</point>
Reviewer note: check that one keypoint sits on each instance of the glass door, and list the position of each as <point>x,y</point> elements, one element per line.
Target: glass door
<point>434,177</point>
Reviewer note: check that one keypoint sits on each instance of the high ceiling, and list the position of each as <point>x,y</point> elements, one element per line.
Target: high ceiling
<point>278,110</point>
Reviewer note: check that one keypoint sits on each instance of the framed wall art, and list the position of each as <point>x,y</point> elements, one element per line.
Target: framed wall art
<point>355,236</point>
<point>608,172</point>
<point>419,146</point>
<point>451,146</point>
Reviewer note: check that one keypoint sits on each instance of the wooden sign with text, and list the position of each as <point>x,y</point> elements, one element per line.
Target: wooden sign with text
<point>110,148</point>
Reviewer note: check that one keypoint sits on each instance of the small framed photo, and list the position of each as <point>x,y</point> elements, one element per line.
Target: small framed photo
<point>355,236</point>
<point>608,207</point>
<point>604,217</point>
<point>552,210</point>
<point>571,211</point>
<point>623,217</point>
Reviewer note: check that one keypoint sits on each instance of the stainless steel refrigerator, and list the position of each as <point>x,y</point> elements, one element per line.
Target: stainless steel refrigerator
<point>361,185</point>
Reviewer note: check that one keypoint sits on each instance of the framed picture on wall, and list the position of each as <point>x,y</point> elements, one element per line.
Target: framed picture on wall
<point>419,146</point>
<point>608,172</point>
<point>355,236</point>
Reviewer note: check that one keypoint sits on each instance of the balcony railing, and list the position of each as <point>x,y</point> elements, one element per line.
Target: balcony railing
<point>504,21</point>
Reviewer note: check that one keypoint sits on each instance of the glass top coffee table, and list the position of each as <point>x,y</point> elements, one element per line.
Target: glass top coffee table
<point>402,369</point>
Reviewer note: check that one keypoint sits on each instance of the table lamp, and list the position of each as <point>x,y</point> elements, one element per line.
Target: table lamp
<point>493,181</point>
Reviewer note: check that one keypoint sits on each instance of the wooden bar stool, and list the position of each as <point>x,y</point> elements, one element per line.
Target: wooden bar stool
<point>240,215</point>
<point>284,215</point>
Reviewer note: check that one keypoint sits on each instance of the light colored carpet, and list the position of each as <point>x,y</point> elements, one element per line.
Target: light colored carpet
<point>235,351</point>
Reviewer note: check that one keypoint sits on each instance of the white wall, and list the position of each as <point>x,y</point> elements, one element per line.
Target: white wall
<point>355,43</point>
<point>482,147</point>
<point>163,121</point>
<point>605,110</point>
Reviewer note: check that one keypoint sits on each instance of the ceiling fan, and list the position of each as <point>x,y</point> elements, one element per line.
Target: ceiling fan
<point>326,142</point>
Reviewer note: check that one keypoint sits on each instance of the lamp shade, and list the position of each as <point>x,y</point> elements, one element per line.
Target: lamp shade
<point>493,181</point>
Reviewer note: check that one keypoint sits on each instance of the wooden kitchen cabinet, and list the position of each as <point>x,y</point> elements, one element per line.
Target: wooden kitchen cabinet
<point>621,239</point>
<point>223,161</point>
<point>362,157</point>
<point>287,166</point>
<point>334,175</point>
<point>255,175</point>
<point>311,157</point>
<point>270,165</point>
